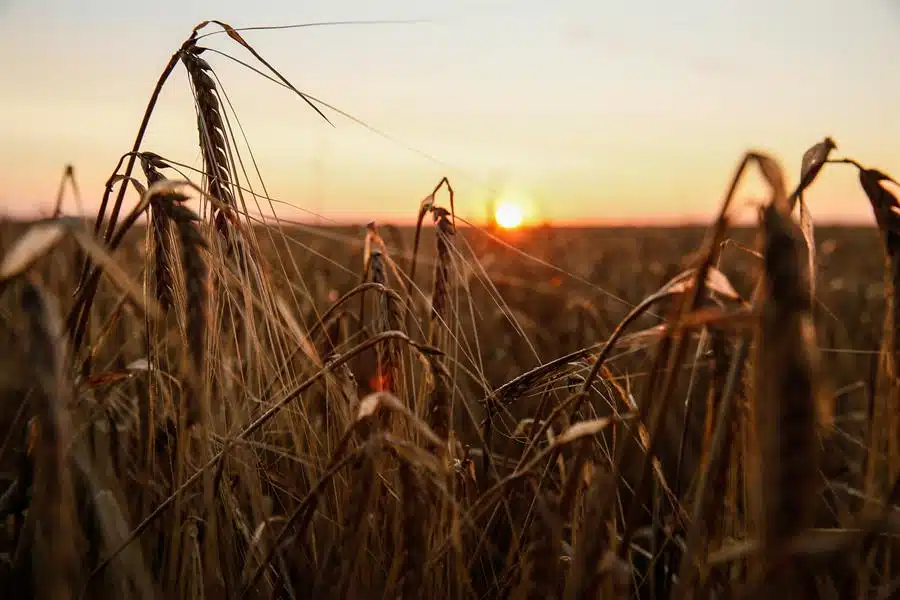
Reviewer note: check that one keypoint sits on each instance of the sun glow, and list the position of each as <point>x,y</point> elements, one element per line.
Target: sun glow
<point>508,215</point>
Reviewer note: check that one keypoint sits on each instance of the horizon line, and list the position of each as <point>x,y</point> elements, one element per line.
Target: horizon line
<point>464,223</point>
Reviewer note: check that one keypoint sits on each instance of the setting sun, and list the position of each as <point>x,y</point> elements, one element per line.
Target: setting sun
<point>508,215</point>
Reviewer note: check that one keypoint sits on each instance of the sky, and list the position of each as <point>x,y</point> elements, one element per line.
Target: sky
<point>585,111</point>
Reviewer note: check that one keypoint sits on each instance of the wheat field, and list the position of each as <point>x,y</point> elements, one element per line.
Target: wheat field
<point>202,402</point>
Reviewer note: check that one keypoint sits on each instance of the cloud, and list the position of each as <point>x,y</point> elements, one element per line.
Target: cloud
<point>578,33</point>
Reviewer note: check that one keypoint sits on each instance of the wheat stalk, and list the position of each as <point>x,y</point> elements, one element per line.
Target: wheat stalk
<point>787,390</point>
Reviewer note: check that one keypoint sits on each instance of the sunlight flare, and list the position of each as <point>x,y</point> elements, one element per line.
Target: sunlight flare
<point>508,215</point>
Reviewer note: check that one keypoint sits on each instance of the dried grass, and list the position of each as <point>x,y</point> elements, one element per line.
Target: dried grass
<point>236,428</point>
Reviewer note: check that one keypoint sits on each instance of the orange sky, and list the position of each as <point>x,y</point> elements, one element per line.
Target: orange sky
<point>589,111</point>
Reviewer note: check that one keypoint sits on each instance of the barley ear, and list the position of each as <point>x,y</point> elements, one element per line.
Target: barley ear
<point>787,390</point>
